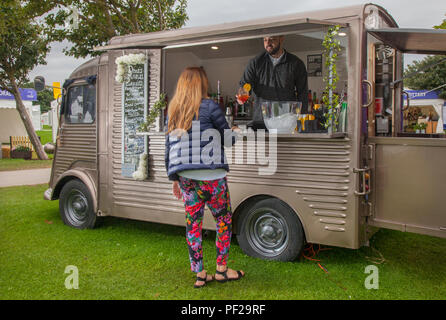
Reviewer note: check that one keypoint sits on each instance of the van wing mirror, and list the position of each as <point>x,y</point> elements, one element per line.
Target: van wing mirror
<point>39,83</point>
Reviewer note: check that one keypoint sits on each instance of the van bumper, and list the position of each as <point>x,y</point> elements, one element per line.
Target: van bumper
<point>47,194</point>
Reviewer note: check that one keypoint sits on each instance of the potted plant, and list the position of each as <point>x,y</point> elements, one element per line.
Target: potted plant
<point>416,128</point>
<point>423,127</point>
<point>21,152</point>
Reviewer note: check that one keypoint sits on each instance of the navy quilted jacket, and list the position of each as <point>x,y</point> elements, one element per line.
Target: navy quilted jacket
<point>197,149</point>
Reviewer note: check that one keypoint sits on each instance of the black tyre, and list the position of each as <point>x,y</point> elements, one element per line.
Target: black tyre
<point>270,230</point>
<point>76,205</point>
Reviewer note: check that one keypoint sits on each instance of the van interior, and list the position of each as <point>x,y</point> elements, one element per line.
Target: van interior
<point>225,62</point>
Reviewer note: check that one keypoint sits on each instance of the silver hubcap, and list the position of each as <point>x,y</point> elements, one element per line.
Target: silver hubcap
<point>267,232</point>
<point>76,207</point>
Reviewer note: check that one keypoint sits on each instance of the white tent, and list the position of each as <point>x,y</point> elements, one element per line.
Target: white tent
<point>54,118</point>
<point>424,98</point>
<point>10,122</point>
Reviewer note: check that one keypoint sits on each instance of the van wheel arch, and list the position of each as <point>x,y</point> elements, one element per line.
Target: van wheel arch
<point>81,176</point>
<point>61,184</point>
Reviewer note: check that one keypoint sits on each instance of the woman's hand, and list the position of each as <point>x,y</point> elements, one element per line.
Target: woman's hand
<point>176,190</point>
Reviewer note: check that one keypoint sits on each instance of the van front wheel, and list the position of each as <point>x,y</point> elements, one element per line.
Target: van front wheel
<point>76,205</point>
<point>270,230</point>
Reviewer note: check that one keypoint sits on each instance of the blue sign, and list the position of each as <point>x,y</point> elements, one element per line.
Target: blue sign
<point>444,115</point>
<point>421,94</point>
<point>26,94</point>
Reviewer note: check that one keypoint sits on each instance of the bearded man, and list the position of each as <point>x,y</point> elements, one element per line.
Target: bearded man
<point>276,75</point>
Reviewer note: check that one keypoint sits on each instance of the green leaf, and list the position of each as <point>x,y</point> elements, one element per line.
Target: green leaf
<point>99,21</point>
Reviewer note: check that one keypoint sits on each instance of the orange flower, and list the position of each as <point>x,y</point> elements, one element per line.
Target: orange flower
<point>247,87</point>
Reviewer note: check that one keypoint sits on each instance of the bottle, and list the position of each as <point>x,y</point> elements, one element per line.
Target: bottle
<point>221,103</point>
<point>229,115</point>
<point>314,98</point>
<point>235,108</point>
<point>343,117</point>
<point>309,125</point>
<point>310,102</point>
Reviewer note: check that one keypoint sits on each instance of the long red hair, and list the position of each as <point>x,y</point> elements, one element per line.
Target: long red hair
<point>192,87</point>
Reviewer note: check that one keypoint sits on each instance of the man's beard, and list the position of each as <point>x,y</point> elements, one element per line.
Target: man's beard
<point>274,50</point>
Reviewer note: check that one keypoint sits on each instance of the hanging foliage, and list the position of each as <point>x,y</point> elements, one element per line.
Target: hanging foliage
<point>332,47</point>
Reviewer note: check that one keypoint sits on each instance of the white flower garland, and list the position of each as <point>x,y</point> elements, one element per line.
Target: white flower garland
<point>141,173</point>
<point>124,61</point>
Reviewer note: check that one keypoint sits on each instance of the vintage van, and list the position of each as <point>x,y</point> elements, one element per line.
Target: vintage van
<point>329,188</point>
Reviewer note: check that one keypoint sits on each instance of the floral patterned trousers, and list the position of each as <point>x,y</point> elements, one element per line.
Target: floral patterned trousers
<point>215,194</point>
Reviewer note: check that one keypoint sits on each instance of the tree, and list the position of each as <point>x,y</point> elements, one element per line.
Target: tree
<point>432,77</point>
<point>44,97</point>
<point>23,46</point>
<point>441,26</point>
<point>95,22</point>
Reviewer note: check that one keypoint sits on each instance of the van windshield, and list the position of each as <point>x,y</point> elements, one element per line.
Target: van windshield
<point>81,104</point>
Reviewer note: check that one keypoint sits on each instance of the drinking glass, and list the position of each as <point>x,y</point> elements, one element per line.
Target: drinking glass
<point>243,96</point>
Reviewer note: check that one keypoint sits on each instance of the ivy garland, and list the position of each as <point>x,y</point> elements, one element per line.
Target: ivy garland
<point>329,98</point>
<point>154,113</point>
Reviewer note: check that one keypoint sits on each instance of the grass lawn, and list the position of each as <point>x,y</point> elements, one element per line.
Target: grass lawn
<point>46,135</point>
<point>21,164</point>
<point>124,259</point>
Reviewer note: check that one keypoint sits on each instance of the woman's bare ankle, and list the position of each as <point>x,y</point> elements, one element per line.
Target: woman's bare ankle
<point>221,268</point>
<point>202,273</point>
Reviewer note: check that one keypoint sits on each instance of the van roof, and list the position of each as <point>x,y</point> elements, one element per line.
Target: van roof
<point>86,69</point>
<point>226,30</point>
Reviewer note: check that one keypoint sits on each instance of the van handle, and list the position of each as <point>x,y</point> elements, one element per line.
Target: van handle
<point>365,173</point>
<point>369,93</point>
<point>408,100</point>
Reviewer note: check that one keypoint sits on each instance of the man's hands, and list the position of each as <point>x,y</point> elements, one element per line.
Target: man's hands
<point>176,190</point>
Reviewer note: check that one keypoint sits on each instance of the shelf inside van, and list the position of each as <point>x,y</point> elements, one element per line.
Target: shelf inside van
<point>280,135</point>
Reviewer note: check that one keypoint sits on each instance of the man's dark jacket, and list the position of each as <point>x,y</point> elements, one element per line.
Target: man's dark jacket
<point>287,81</point>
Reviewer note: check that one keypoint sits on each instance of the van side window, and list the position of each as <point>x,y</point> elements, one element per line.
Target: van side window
<point>81,104</point>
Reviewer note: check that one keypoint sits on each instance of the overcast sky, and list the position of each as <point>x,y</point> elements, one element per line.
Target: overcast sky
<point>407,13</point>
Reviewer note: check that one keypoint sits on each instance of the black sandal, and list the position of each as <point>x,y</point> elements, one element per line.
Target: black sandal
<point>205,280</point>
<point>225,275</point>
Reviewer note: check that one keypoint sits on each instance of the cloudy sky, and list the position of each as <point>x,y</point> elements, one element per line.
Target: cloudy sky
<point>407,13</point>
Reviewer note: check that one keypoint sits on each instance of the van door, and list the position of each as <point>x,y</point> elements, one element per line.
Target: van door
<point>408,172</point>
<point>76,145</point>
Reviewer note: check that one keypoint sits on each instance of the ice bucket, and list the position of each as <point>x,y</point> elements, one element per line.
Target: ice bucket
<point>280,115</point>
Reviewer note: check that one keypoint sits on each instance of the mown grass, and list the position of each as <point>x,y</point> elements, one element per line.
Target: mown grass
<point>124,259</point>
<point>46,135</point>
<point>21,164</point>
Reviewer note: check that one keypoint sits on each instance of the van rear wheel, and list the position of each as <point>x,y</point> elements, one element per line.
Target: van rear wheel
<point>270,230</point>
<point>76,205</point>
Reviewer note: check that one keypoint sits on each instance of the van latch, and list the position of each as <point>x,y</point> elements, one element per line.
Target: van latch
<point>365,179</point>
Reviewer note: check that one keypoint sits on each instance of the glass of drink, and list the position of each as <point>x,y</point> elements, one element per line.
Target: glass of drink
<point>242,96</point>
